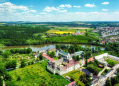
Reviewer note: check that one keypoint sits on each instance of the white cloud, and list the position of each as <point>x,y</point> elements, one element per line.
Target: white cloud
<point>104,9</point>
<point>68,5</point>
<point>90,5</point>
<point>77,6</point>
<point>33,11</point>
<point>43,13</point>
<point>105,3</point>
<point>49,9</point>
<point>62,11</point>
<point>9,7</point>
<point>62,5</point>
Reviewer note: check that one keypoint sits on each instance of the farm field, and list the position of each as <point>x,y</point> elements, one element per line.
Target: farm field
<point>76,74</point>
<point>36,75</point>
<point>60,32</point>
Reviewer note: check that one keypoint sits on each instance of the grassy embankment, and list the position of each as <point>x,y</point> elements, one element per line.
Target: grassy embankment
<point>36,75</point>
<point>76,74</point>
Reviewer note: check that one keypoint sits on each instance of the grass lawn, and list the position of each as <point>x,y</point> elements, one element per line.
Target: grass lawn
<point>55,58</point>
<point>36,75</point>
<point>104,72</point>
<point>76,74</point>
<point>111,62</point>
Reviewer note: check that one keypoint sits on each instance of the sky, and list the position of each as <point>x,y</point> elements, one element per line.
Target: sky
<point>59,10</point>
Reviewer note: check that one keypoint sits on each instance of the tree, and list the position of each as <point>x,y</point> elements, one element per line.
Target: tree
<point>93,50</point>
<point>11,64</point>
<point>8,77</point>
<point>57,46</point>
<point>86,61</point>
<point>1,52</point>
<point>6,53</point>
<point>40,56</point>
<point>86,33</point>
<point>108,83</point>
<point>48,53</point>
<point>29,50</point>
<point>1,81</point>
<point>77,58</point>
<point>14,64</point>
<point>97,62</point>
<point>23,64</point>
<point>59,57</point>
<point>2,68</point>
<point>52,54</point>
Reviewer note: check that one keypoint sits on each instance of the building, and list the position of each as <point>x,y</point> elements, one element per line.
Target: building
<point>77,33</point>
<point>47,57</point>
<point>51,49</point>
<point>63,54</point>
<point>62,66</point>
<point>36,55</point>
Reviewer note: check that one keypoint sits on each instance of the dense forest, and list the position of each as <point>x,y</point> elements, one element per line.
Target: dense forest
<point>18,35</point>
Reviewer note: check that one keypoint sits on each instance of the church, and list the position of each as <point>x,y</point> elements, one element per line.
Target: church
<point>63,65</point>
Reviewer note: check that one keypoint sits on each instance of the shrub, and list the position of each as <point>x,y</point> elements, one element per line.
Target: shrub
<point>8,77</point>
<point>32,62</point>
<point>23,64</point>
<point>29,63</point>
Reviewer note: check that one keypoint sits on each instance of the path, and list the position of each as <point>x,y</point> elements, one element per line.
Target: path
<point>3,81</point>
<point>101,71</point>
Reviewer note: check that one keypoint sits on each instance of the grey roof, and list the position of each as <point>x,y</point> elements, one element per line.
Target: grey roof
<point>78,53</point>
<point>65,53</point>
<point>86,71</point>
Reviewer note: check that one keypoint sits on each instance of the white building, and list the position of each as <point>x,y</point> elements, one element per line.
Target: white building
<point>63,65</point>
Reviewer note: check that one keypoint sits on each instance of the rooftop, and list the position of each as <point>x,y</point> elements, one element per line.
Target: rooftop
<point>49,58</point>
<point>65,53</point>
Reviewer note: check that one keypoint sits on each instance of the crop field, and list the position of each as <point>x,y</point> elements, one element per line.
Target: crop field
<point>76,74</point>
<point>36,75</point>
<point>60,32</point>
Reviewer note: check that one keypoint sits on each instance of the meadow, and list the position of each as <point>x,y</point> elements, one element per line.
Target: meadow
<point>76,74</point>
<point>72,39</point>
<point>36,75</point>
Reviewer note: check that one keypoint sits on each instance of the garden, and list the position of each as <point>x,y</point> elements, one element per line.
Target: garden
<point>111,62</point>
<point>79,77</point>
<point>93,67</point>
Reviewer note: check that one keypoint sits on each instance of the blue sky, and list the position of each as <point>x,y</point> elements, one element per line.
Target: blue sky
<point>59,10</point>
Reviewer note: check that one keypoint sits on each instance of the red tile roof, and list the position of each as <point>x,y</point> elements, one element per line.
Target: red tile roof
<point>70,84</point>
<point>103,41</point>
<point>71,63</point>
<point>49,58</point>
<point>88,60</point>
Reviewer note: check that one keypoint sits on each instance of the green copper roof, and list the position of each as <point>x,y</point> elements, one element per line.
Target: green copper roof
<point>65,53</point>
<point>78,53</point>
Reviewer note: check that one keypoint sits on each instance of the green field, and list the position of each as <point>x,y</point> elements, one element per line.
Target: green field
<point>72,39</point>
<point>76,74</point>
<point>36,75</point>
